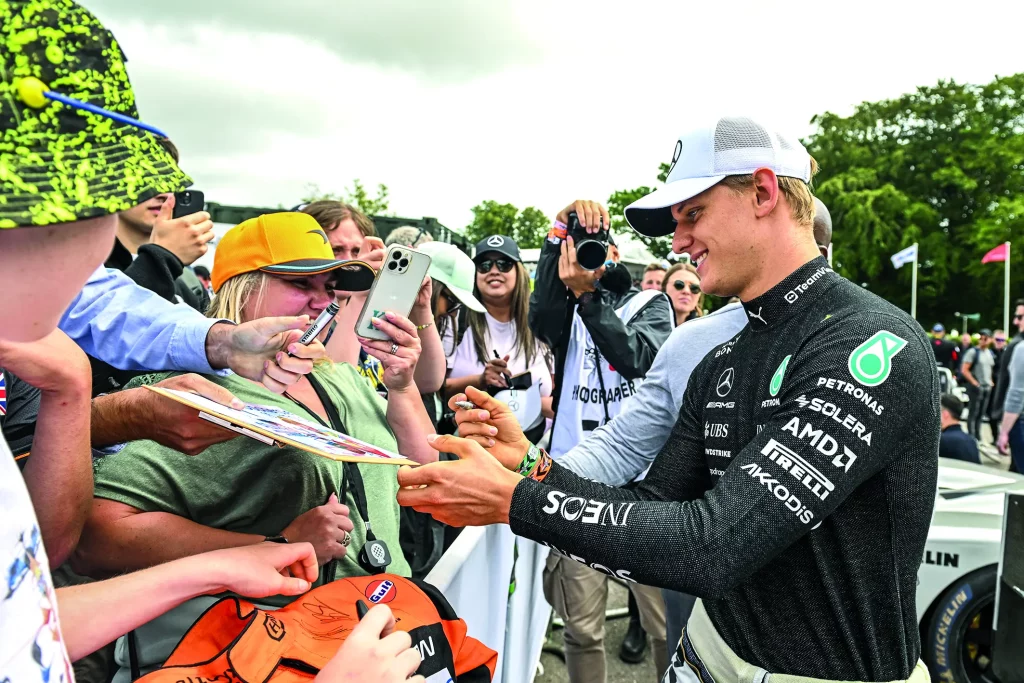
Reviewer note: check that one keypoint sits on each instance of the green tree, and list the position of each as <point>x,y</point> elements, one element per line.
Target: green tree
<point>620,199</point>
<point>527,227</point>
<point>943,167</point>
<point>357,196</point>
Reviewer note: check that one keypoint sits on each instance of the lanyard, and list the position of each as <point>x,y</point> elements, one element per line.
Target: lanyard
<point>350,471</point>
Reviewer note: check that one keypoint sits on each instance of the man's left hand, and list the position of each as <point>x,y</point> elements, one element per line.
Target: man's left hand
<point>265,350</point>
<point>475,490</point>
<point>573,275</point>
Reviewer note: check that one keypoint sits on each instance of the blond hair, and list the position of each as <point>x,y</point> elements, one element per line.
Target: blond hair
<point>683,265</point>
<point>230,300</point>
<point>796,191</point>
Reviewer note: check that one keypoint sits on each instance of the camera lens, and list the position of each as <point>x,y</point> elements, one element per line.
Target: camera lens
<point>590,254</point>
<point>392,265</point>
<point>396,255</point>
<point>404,262</point>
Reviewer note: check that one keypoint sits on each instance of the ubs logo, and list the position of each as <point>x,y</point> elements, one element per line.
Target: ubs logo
<point>495,241</point>
<point>724,385</point>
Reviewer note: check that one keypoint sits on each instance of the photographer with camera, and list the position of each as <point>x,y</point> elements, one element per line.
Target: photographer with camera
<point>605,333</point>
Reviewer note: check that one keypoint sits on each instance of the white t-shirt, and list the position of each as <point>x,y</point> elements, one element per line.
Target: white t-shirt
<point>501,337</point>
<point>31,645</point>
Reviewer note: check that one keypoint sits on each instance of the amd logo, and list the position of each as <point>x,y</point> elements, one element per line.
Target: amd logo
<point>934,557</point>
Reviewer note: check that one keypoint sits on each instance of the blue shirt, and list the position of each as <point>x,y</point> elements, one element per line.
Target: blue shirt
<point>132,328</point>
<point>957,444</point>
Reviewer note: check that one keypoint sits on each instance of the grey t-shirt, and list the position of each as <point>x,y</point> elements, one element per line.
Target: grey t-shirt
<point>982,362</point>
<point>617,452</point>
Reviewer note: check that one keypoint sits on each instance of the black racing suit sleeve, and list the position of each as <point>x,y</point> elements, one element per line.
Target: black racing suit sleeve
<point>760,505</point>
<point>156,269</point>
<point>629,349</point>
<point>550,299</point>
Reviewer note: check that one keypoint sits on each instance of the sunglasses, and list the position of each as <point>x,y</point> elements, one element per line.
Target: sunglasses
<point>504,265</point>
<point>999,339</point>
<point>453,304</point>
<point>680,286</point>
<point>1018,316</point>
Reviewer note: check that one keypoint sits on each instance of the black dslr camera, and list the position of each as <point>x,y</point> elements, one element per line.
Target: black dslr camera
<point>591,248</point>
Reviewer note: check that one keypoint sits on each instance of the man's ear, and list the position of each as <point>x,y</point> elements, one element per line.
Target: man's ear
<point>766,192</point>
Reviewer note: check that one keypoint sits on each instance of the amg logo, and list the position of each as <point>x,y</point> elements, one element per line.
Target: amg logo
<point>574,508</point>
<point>852,390</point>
<point>770,402</point>
<point>803,471</point>
<point>791,502</point>
<point>719,404</point>
<point>941,559</point>
<point>716,430</point>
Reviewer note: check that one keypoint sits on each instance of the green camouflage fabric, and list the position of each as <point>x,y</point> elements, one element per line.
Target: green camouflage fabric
<point>59,164</point>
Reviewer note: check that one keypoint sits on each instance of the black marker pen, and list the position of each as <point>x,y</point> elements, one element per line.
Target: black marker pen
<point>361,609</point>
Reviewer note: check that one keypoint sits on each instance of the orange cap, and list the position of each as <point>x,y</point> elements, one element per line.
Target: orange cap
<point>288,244</point>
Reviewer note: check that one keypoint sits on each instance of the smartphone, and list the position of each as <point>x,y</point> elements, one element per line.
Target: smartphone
<point>188,202</point>
<point>394,290</point>
<point>522,381</point>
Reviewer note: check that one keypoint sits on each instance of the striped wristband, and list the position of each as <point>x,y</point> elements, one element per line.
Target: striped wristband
<point>529,460</point>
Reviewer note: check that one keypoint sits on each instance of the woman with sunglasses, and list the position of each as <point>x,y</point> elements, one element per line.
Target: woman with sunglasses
<point>498,343</point>
<point>682,285</point>
<point>153,504</point>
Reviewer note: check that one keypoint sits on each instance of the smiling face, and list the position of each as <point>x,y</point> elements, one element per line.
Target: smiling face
<point>495,286</point>
<point>679,289</point>
<point>716,228</point>
<point>290,295</point>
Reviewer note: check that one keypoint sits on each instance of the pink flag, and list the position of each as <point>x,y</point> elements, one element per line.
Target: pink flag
<point>997,254</point>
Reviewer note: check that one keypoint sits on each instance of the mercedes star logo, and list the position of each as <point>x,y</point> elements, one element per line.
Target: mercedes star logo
<point>495,241</point>
<point>725,383</point>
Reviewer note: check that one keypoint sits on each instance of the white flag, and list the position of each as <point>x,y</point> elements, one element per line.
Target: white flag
<point>905,256</point>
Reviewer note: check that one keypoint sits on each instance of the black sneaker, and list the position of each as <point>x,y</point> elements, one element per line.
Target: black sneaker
<point>634,644</point>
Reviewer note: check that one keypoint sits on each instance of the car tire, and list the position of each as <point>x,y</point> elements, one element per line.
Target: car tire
<point>966,606</point>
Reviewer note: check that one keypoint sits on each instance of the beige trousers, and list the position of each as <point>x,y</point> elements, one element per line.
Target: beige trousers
<point>710,657</point>
<point>579,595</point>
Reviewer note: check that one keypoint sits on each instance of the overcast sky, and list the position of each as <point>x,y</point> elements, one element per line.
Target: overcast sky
<point>534,102</point>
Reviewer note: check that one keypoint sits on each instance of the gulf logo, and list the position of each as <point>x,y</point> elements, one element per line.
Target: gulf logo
<point>381,591</point>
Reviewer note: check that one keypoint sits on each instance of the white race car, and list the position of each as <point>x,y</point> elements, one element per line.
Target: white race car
<point>957,581</point>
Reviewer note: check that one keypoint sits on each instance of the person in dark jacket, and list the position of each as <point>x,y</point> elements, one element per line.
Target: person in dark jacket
<point>605,333</point>
<point>954,442</point>
<point>947,354</point>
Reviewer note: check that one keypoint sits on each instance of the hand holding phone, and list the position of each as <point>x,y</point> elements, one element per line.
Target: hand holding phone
<point>187,235</point>
<point>394,290</point>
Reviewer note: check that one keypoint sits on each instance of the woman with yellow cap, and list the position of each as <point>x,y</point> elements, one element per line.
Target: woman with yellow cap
<point>153,505</point>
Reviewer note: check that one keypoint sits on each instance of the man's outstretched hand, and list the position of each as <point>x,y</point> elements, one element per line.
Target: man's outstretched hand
<point>474,490</point>
<point>492,425</point>
<point>259,350</point>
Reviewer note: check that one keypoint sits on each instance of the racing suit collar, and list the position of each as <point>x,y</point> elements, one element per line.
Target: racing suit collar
<point>791,296</point>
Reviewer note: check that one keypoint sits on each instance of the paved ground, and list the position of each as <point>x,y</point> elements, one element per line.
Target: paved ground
<point>618,670</point>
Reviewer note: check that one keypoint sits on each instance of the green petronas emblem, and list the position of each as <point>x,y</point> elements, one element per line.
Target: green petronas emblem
<point>776,384</point>
<point>871,362</point>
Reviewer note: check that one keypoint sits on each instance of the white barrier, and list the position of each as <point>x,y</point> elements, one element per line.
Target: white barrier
<point>474,576</point>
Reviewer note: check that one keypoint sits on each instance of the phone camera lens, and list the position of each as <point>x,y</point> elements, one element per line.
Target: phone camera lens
<point>396,255</point>
<point>404,262</point>
<point>392,265</point>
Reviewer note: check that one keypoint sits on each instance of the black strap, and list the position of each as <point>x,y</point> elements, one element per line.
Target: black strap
<point>350,469</point>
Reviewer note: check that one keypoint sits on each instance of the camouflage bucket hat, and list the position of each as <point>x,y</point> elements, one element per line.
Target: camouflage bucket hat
<point>58,163</point>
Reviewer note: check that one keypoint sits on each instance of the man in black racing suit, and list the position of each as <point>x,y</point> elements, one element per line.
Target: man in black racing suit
<point>795,493</point>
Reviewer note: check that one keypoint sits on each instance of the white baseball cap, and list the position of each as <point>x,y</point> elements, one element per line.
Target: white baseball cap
<point>704,156</point>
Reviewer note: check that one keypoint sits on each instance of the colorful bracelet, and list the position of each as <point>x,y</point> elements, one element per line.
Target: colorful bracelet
<point>423,327</point>
<point>529,460</point>
<point>543,466</point>
<point>558,232</point>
